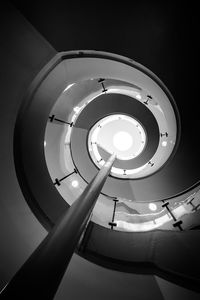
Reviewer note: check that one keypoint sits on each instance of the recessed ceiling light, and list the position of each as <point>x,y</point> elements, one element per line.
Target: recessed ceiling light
<point>164,143</point>
<point>45,143</point>
<point>152,206</point>
<point>75,183</point>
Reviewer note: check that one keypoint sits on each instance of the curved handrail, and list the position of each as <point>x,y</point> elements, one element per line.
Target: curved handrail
<point>147,201</point>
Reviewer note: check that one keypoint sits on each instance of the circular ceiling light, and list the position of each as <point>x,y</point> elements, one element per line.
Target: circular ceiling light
<point>152,206</point>
<point>122,140</point>
<point>74,183</point>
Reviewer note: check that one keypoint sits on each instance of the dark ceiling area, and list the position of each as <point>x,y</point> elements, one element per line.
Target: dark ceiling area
<point>161,35</point>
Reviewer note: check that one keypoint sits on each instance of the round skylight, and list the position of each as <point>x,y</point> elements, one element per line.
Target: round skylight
<point>119,134</point>
<point>122,140</point>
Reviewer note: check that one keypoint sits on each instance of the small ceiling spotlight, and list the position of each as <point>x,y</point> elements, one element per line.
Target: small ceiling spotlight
<point>138,96</point>
<point>45,143</point>
<point>75,183</point>
<point>152,206</point>
<point>164,143</point>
